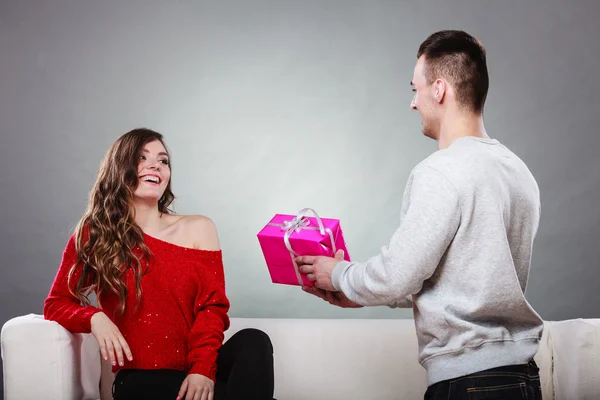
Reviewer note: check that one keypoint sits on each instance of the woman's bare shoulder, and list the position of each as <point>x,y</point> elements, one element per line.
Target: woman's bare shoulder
<point>202,230</point>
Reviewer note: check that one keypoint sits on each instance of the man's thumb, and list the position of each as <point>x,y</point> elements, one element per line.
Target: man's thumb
<point>339,255</point>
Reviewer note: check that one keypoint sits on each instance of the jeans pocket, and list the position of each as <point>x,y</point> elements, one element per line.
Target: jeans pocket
<point>513,391</point>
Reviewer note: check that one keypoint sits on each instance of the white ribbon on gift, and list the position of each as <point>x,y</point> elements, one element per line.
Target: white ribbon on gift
<point>297,224</point>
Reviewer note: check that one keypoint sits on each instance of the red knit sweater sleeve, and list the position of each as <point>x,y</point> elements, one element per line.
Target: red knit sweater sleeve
<point>211,319</point>
<point>60,305</point>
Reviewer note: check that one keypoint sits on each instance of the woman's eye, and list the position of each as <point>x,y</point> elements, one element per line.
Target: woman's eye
<point>142,157</point>
<point>166,162</point>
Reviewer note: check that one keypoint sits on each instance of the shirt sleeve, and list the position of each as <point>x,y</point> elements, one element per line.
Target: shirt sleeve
<point>211,319</point>
<point>414,251</point>
<point>61,305</point>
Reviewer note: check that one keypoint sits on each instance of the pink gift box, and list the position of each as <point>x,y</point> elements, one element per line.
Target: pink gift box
<point>288,236</point>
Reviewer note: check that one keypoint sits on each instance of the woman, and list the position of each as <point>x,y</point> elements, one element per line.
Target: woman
<point>159,281</point>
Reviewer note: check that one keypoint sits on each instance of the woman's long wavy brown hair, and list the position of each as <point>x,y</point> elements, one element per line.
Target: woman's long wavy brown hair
<point>107,234</point>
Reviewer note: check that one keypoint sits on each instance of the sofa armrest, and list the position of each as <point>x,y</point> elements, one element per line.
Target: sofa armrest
<point>544,359</point>
<point>42,360</point>
<point>576,359</point>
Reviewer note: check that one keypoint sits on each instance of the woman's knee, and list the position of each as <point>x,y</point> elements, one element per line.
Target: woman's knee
<point>254,339</point>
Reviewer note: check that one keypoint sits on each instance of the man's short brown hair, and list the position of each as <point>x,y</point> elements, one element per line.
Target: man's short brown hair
<point>459,58</point>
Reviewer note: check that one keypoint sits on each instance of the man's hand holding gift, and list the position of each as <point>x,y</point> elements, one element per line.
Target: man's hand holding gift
<point>319,269</point>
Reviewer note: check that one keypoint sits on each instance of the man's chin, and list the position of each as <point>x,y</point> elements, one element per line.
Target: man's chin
<point>428,134</point>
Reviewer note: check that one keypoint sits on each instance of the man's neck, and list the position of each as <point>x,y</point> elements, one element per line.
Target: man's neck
<point>460,124</point>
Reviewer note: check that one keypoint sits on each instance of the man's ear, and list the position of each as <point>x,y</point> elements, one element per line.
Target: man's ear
<point>439,90</point>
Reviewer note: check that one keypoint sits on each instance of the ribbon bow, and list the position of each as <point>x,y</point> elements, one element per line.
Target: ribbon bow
<point>297,224</point>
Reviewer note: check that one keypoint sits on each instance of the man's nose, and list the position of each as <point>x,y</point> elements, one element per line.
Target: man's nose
<point>413,102</point>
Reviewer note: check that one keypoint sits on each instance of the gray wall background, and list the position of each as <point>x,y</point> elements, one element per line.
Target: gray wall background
<point>272,106</point>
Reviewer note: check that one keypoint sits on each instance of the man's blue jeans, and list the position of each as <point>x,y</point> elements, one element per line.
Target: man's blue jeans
<point>504,383</point>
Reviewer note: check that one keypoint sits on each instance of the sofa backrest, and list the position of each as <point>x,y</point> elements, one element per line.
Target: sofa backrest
<point>353,359</point>
<point>320,359</point>
<point>377,359</point>
<point>342,358</point>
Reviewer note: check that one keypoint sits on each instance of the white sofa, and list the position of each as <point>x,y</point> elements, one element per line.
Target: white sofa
<point>314,359</point>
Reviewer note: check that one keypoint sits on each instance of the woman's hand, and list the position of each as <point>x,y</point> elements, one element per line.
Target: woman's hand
<point>112,343</point>
<point>197,387</point>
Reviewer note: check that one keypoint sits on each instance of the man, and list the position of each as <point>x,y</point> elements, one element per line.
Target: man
<point>462,253</point>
